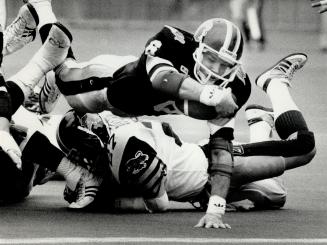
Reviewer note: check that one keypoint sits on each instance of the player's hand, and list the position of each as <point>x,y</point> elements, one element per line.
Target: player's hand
<point>322,5</point>
<point>227,106</point>
<point>9,145</point>
<point>220,98</point>
<point>210,220</point>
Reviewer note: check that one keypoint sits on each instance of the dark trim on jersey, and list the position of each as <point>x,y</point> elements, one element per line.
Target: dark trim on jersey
<point>82,86</point>
<point>154,69</point>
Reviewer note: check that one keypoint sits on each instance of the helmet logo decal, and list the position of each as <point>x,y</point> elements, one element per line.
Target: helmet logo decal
<point>136,164</point>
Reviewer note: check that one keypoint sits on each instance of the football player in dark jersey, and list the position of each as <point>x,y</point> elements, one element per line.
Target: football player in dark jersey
<point>199,75</point>
<point>149,159</point>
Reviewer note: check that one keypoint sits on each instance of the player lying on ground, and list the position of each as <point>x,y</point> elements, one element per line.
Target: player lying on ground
<point>149,165</point>
<point>206,73</point>
<point>19,173</point>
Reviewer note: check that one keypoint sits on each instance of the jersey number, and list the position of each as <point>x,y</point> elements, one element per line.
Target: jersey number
<point>153,47</point>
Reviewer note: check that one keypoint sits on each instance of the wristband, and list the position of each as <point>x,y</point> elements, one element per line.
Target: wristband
<point>211,95</point>
<point>216,205</point>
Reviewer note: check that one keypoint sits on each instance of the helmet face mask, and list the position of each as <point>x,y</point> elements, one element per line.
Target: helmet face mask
<point>219,52</point>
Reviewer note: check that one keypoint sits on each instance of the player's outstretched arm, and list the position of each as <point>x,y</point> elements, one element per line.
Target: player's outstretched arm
<point>221,165</point>
<point>321,5</point>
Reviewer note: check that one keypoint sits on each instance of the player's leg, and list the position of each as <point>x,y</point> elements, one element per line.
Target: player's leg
<point>48,94</point>
<point>264,193</point>
<point>51,54</point>
<point>38,148</point>
<point>85,84</point>
<point>298,144</point>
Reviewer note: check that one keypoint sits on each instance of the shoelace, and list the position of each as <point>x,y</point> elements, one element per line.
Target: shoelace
<point>289,72</point>
<point>17,30</point>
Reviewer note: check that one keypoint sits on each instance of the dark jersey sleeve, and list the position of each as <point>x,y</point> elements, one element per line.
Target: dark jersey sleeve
<point>173,45</point>
<point>241,88</point>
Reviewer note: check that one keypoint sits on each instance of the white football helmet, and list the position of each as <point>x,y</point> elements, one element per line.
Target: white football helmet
<point>222,39</point>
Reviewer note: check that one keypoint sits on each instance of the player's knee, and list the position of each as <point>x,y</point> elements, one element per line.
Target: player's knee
<point>306,141</point>
<point>267,193</point>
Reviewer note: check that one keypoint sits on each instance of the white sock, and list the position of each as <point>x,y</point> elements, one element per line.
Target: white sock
<point>28,77</point>
<point>280,97</point>
<point>260,131</point>
<point>66,169</point>
<point>44,11</point>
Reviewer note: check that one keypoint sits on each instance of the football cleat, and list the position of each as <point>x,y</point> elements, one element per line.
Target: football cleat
<point>283,69</point>
<point>22,30</point>
<point>42,175</point>
<point>86,190</point>
<point>256,113</point>
<point>32,101</point>
<point>49,94</point>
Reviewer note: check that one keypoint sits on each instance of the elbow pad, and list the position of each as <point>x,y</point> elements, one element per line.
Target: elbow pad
<point>169,82</point>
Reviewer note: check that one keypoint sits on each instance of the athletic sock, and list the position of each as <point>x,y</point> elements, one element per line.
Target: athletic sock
<point>44,32</point>
<point>290,122</point>
<point>44,11</point>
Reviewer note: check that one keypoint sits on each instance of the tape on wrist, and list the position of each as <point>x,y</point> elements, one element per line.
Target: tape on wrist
<point>216,205</point>
<point>209,95</point>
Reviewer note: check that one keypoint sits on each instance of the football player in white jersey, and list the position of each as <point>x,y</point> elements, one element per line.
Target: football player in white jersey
<point>204,81</point>
<point>150,165</point>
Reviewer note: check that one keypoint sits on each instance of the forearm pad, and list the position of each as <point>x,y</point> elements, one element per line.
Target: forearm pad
<point>169,82</point>
<point>221,163</point>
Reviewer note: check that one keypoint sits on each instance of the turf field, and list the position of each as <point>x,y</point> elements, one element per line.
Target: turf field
<point>44,219</point>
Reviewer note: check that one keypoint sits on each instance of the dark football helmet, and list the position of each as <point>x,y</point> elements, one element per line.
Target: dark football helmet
<point>222,39</point>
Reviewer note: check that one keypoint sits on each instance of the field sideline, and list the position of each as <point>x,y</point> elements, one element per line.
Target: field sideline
<point>44,219</point>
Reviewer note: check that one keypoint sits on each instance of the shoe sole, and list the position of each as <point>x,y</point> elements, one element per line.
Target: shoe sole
<point>271,67</point>
<point>259,107</point>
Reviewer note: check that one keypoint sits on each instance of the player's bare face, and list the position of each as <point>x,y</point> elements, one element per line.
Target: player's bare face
<point>216,65</point>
